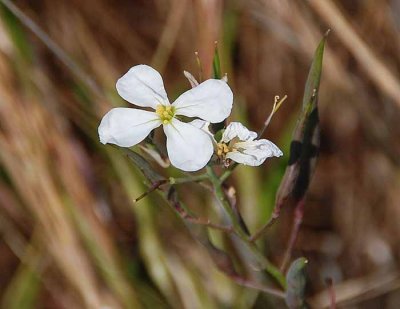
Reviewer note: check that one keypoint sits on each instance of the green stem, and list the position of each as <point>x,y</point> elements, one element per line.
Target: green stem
<point>177,181</point>
<point>228,172</point>
<point>265,263</point>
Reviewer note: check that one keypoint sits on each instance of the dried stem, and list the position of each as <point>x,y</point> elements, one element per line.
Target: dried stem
<point>152,188</point>
<point>375,68</point>
<point>51,45</point>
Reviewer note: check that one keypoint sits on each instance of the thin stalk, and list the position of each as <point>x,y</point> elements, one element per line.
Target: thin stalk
<point>266,226</point>
<point>237,229</point>
<point>177,181</point>
<point>257,286</point>
<point>152,188</point>
<point>332,295</point>
<point>278,102</point>
<point>227,173</point>
<point>171,181</point>
<point>298,219</point>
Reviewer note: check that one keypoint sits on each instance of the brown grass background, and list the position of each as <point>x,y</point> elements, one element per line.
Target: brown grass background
<point>71,236</point>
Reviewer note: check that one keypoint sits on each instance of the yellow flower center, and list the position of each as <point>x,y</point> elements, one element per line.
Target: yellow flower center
<point>166,113</point>
<point>222,150</point>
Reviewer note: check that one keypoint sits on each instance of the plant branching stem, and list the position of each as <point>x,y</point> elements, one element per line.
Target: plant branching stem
<point>298,219</point>
<point>208,223</point>
<point>172,181</point>
<point>265,263</point>
<point>227,173</point>
<point>266,226</point>
<point>257,286</point>
<point>178,181</point>
<point>152,188</point>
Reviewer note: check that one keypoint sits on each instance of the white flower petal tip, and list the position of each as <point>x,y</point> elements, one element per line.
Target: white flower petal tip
<point>189,148</point>
<point>203,125</point>
<point>126,127</point>
<point>143,86</point>
<point>236,129</point>
<point>253,153</point>
<point>211,101</point>
<point>239,144</point>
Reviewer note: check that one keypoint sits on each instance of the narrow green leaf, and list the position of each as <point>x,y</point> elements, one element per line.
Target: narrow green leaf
<point>296,284</point>
<point>306,140</point>
<point>217,74</point>
<point>314,75</point>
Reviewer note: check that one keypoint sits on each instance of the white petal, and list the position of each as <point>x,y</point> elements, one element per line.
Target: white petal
<point>211,100</point>
<point>254,153</point>
<point>203,125</point>
<point>126,127</point>
<point>142,86</point>
<point>236,129</point>
<point>189,148</point>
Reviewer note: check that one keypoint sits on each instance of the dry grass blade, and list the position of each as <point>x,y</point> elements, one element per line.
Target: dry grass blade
<point>375,68</point>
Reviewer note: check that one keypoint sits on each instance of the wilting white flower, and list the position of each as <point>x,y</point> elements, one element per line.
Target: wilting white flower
<point>189,148</point>
<point>239,144</point>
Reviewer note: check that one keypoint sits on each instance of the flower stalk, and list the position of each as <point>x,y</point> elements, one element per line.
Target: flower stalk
<point>264,262</point>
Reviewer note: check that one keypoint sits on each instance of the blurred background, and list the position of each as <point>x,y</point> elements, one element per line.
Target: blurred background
<point>71,236</point>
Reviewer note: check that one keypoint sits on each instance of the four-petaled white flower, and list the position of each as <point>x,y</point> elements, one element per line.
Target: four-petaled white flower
<point>239,144</point>
<point>189,148</point>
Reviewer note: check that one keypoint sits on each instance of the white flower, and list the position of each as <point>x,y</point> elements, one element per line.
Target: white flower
<point>189,148</point>
<point>239,144</point>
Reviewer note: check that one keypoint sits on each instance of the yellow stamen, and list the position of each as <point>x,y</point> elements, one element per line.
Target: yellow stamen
<point>222,150</point>
<point>166,113</point>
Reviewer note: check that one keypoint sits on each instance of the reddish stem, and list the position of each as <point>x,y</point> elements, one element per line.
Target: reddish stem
<point>332,294</point>
<point>298,219</point>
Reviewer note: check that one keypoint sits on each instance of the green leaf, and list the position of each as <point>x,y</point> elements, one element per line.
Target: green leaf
<point>296,284</point>
<point>216,64</point>
<point>217,74</point>
<point>306,139</point>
